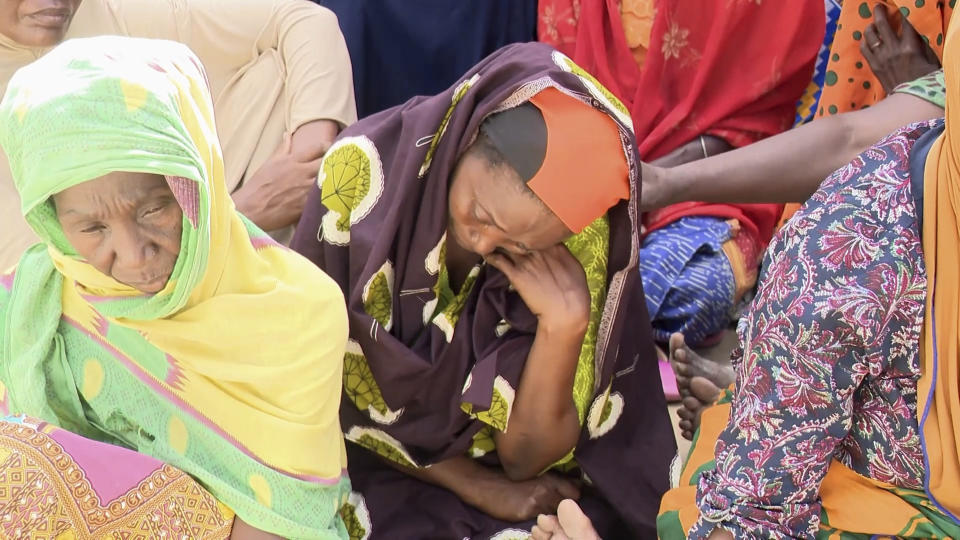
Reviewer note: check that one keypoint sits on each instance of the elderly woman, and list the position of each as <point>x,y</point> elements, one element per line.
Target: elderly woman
<point>278,70</point>
<point>486,240</point>
<point>151,333</point>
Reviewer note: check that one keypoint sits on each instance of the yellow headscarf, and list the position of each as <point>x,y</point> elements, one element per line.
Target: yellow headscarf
<point>253,335</point>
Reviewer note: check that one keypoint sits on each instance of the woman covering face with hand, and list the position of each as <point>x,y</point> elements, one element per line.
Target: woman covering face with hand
<point>486,240</point>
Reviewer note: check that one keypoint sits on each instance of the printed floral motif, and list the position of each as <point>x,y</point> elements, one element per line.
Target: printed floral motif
<point>558,20</point>
<point>830,355</point>
<point>501,402</point>
<point>674,41</point>
<point>380,443</point>
<point>356,517</point>
<point>604,413</point>
<point>351,182</point>
<point>360,386</point>
<point>378,296</point>
<point>458,94</point>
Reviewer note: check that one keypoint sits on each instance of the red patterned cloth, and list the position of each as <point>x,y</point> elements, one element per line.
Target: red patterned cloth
<point>733,69</point>
<point>557,24</point>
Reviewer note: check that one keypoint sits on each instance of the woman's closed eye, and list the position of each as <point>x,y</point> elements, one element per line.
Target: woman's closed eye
<point>477,216</point>
<point>155,209</point>
<point>93,228</point>
<point>152,211</point>
<point>484,217</point>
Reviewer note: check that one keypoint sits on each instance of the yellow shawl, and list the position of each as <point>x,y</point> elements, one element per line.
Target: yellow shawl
<point>234,368</point>
<point>939,387</point>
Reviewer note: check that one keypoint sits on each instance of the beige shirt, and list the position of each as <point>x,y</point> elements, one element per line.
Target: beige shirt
<point>273,65</point>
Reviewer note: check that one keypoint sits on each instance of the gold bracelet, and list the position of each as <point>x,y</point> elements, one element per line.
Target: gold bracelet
<point>703,146</point>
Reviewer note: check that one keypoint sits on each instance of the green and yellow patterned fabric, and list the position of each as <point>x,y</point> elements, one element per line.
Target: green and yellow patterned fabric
<point>231,373</point>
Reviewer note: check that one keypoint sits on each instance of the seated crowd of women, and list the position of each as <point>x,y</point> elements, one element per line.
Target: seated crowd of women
<point>483,275</point>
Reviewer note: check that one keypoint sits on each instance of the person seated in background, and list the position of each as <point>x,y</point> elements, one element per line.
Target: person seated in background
<point>743,175</point>
<point>698,83</point>
<point>279,73</point>
<point>156,340</point>
<point>914,93</point>
<point>845,417</point>
<point>500,358</point>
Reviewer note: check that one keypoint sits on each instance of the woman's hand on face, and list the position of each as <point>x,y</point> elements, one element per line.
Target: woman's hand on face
<point>521,501</point>
<point>275,195</point>
<point>896,59</point>
<point>552,284</point>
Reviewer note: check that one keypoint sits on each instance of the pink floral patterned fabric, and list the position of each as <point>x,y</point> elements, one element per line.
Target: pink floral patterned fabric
<point>829,362</point>
<point>557,22</point>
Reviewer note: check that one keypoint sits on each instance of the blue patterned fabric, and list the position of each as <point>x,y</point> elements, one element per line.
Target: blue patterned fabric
<point>807,105</point>
<point>687,278</point>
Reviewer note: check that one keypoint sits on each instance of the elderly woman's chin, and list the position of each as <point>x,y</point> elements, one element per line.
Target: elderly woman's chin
<point>150,285</point>
<point>151,279</point>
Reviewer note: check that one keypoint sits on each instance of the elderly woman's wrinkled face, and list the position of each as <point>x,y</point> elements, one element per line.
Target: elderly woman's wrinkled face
<point>37,23</point>
<point>491,210</point>
<point>126,225</point>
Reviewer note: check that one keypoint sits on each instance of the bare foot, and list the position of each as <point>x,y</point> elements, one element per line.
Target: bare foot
<point>699,381</point>
<point>688,364</point>
<point>702,394</point>
<point>570,523</point>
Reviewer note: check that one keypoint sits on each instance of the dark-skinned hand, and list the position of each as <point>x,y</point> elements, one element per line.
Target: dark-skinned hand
<point>896,59</point>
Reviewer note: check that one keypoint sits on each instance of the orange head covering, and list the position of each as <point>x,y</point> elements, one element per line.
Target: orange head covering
<point>569,154</point>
